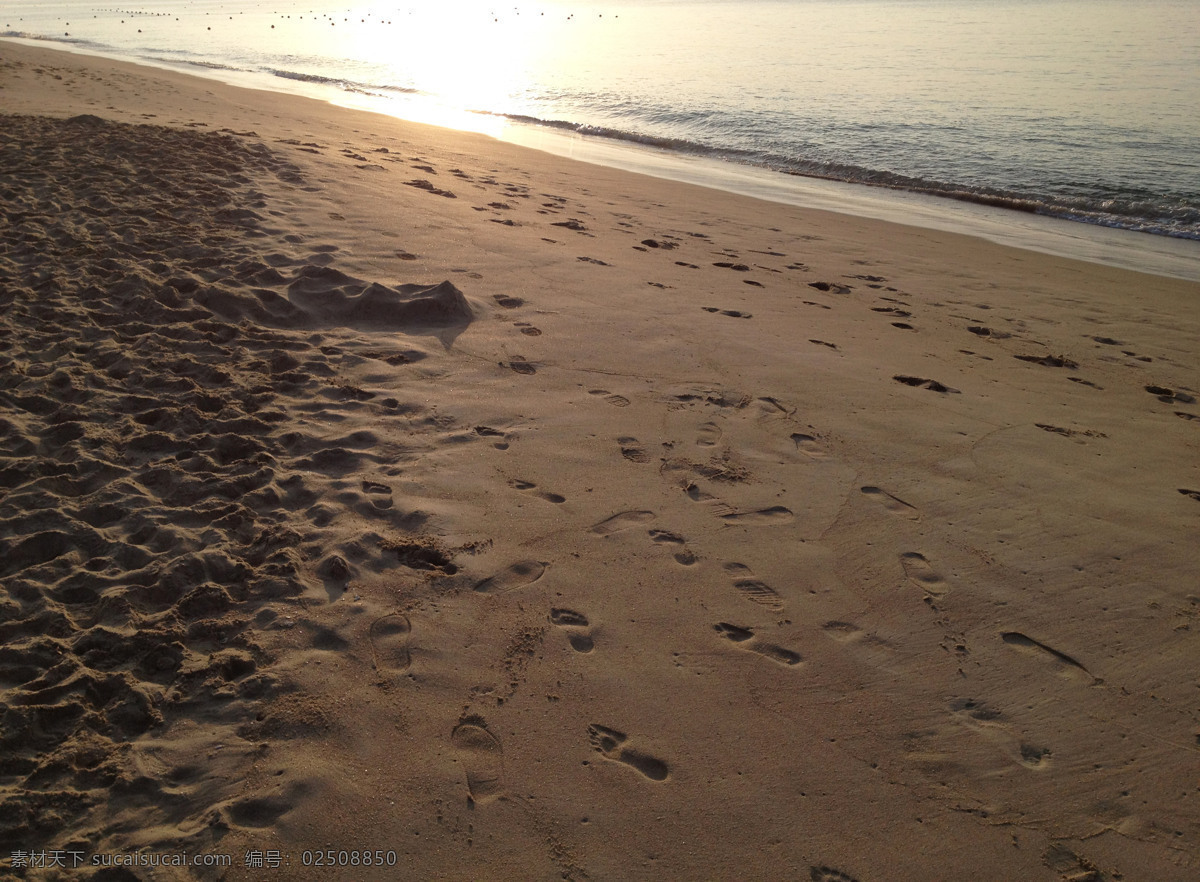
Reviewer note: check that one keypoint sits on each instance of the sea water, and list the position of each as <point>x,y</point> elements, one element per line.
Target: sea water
<point>1081,110</point>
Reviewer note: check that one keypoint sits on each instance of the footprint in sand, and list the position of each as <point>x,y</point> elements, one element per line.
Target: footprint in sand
<point>612,398</point>
<point>518,364</point>
<point>379,495</point>
<point>622,521</point>
<point>776,514</point>
<point>488,432</point>
<point>989,722</point>
<point>482,756</point>
<point>808,445</point>
<point>828,874</point>
<point>684,555</point>
<point>520,574</point>
<point>1070,866</point>
<point>771,408</point>
<point>875,650</point>
<point>919,571</point>
<point>518,484</point>
<point>843,632</point>
<point>708,435</point>
<point>576,626</point>
<point>389,643</point>
<point>924,382</point>
<point>754,589</point>
<point>611,744</point>
<point>744,639</point>
<point>633,450</point>
<point>892,503</point>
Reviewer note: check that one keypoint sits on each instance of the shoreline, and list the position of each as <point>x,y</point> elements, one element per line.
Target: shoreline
<point>1079,240</point>
<point>377,487</point>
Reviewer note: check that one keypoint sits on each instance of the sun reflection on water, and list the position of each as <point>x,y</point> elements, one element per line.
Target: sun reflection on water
<point>443,61</point>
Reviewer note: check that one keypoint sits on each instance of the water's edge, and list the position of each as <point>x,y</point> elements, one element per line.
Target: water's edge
<point>1110,246</point>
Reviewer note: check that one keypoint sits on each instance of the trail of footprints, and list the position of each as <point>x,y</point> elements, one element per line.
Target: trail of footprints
<point>613,744</point>
<point>893,307</point>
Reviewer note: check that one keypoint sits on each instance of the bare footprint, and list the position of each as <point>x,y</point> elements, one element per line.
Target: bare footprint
<point>610,743</point>
<point>518,484</point>
<point>776,514</point>
<point>520,574</point>
<point>622,521</point>
<point>482,757</point>
<point>843,632</point>
<point>892,503</point>
<point>921,572</point>
<point>684,554</point>
<point>745,639</point>
<point>989,722</point>
<point>873,649</point>
<point>389,637</point>
<point>575,624</point>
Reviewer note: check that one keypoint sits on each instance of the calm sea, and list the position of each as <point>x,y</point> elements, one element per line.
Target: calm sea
<point>1087,110</point>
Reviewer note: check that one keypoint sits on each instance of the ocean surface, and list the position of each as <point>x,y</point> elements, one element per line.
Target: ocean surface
<point>1085,110</point>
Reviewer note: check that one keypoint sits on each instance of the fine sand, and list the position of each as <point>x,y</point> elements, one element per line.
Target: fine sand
<point>373,486</point>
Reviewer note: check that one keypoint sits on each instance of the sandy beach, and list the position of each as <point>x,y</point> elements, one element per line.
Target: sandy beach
<point>374,493</point>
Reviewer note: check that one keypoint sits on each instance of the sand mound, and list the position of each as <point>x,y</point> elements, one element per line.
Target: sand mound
<point>333,297</point>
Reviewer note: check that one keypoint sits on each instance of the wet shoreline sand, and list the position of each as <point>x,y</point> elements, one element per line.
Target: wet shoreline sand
<point>373,486</point>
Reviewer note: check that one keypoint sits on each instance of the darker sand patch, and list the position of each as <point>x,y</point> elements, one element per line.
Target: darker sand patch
<point>161,340</point>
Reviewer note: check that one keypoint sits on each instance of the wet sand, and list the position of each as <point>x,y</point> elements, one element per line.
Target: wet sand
<point>374,486</point>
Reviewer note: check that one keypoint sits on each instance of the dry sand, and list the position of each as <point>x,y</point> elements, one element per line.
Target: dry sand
<point>372,486</point>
